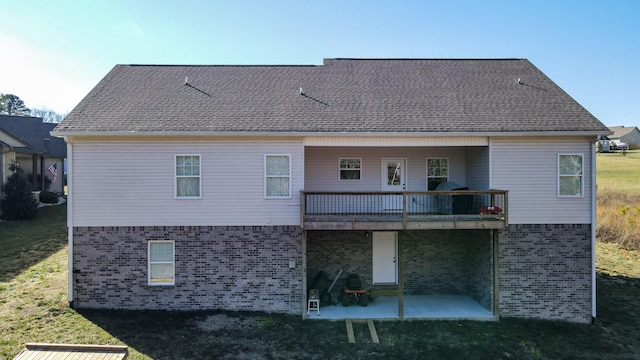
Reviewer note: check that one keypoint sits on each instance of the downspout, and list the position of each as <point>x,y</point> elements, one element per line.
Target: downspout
<point>594,188</point>
<point>69,218</point>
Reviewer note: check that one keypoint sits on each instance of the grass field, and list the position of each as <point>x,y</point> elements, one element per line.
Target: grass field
<point>617,172</point>
<point>33,308</point>
<point>618,199</point>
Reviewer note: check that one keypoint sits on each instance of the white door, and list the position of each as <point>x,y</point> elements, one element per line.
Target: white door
<point>385,247</point>
<point>394,174</point>
<point>394,178</point>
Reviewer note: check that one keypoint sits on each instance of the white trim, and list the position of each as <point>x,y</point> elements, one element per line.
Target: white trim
<point>340,168</point>
<point>278,176</point>
<point>558,175</point>
<point>201,134</point>
<point>173,263</point>
<point>175,177</point>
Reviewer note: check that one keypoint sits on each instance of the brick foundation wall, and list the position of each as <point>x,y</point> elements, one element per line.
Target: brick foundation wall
<point>545,272</point>
<point>229,268</point>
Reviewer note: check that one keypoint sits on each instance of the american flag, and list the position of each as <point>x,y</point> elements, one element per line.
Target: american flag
<point>53,169</point>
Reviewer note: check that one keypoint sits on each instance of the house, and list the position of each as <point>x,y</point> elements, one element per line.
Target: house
<point>28,142</point>
<point>626,135</point>
<point>434,180</point>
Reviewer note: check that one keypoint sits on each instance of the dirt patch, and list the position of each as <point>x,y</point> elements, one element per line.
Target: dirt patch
<point>223,322</point>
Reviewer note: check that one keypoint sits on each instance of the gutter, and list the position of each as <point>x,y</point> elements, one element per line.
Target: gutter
<point>594,188</point>
<point>70,219</point>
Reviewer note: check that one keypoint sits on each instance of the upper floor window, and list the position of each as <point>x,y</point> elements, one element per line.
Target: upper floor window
<point>187,176</point>
<point>277,173</point>
<point>570,175</point>
<point>437,172</point>
<point>161,262</point>
<point>350,168</point>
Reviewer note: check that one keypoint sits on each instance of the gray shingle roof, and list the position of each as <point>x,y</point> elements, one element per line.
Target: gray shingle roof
<point>35,133</point>
<point>343,95</point>
<point>620,131</point>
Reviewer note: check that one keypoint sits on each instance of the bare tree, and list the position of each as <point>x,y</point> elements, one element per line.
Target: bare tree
<point>48,115</point>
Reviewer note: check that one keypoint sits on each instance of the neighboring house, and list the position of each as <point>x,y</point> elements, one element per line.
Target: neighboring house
<point>626,135</point>
<point>28,142</point>
<point>231,187</point>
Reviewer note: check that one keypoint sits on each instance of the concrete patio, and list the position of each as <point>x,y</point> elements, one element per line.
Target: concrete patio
<point>441,307</point>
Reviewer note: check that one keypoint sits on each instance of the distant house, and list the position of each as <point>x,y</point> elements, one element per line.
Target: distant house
<point>28,142</point>
<point>627,135</point>
<point>446,185</point>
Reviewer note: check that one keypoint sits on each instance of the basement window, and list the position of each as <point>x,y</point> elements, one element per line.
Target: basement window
<point>161,262</point>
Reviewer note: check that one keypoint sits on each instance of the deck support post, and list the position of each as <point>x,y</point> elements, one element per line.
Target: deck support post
<point>400,279</point>
<point>304,274</point>
<point>496,284</point>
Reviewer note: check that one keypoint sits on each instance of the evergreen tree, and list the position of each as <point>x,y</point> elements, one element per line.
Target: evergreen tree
<point>17,201</point>
<point>12,105</point>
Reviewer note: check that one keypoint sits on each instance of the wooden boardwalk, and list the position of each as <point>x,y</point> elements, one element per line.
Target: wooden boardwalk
<point>38,351</point>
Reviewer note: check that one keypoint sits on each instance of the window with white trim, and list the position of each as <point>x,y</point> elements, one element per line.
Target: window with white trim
<point>187,172</point>
<point>277,176</point>
<point>161,262</point>
<point>437,172</point>
<point>350,168</point>
<point>570,175</point>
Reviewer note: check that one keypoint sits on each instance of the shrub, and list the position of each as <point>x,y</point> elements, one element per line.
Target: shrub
<point>618,219</point>
<point>17,201</point>
<point>48,197</point>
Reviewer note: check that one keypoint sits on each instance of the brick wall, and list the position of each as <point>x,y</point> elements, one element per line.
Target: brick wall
<point>330,251</point>
<point>545,272</point>
<point>232,268</point>
<point>453,262</point>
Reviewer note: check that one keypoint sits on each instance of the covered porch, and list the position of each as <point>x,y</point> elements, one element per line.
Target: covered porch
<point>408,274</point>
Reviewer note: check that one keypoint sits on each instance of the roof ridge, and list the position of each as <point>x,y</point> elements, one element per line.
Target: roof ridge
<point>436,59</point>
<point>215,65</point>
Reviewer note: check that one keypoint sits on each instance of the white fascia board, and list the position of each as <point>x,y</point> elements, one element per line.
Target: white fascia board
<point>200,134</point>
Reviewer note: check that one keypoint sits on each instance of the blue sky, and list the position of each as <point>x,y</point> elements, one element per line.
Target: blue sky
<point>53,52</point>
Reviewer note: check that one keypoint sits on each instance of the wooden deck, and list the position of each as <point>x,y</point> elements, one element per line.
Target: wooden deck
<point>400,222</point>
<point>39,351</point>
<point>423,210</point>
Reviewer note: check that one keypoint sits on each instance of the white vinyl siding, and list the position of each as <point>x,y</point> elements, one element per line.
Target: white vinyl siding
<point>321,172</point>
<point>478,167</point>
<point>119,183</point>
<point>527,168</point>
<point>161,262</point>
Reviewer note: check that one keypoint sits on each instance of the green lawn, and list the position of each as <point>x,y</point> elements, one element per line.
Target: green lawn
<point>617,172</point>
<point>33,308</point>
